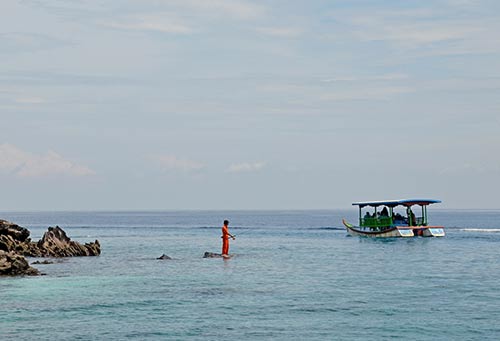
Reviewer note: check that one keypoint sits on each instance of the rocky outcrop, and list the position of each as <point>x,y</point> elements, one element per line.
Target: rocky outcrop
<point>15,231</point>
<point>15,243</point>
<point>14,237</point>
<point>55,243</point>
<point>164,257</point>
<point>12,264</point>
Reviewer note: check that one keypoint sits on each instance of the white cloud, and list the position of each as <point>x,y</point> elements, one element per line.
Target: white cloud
<point>156,23</point>
<point>241,9</point>
<point>182,17</point>
<point>15,42</point>
<point>386,27</point>
<point>462,3</point>
<point>470,169</point>
<point>372,93</point>
<point>229,8</point>
<point>282,32</point>
<point>246,167</point>
<point>24,164</point>
<point>65,5</point>
<point>173,163</point>
<point>30,100</point>
<point>383,77</point>
<point>419,33</point>
<point>431,29</point>
<point>344,89</point>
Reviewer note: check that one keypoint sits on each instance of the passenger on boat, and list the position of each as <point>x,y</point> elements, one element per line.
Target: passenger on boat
<point>398,217</point>
<point>367,215</point>
<point>384,212</point>
<point>412,221</point>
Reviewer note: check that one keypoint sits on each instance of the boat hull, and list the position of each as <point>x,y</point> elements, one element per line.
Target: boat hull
<point>396,231</point>
<point>436,231</point>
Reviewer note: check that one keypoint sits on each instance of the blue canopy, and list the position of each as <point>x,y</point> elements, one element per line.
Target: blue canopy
<point>394,203</point>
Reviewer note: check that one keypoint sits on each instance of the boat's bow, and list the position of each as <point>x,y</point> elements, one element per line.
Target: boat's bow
<point>388,232</point>
<point>346,224</point>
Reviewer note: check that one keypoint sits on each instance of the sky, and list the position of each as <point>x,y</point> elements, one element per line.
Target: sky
<point>237,104</point>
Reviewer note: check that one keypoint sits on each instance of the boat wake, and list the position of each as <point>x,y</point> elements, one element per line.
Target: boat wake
<point>481,230</point>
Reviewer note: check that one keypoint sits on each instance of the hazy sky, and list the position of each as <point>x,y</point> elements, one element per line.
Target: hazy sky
<point>233,104</point>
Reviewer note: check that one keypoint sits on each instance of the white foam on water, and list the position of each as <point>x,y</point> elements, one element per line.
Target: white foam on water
<point>480,230</point>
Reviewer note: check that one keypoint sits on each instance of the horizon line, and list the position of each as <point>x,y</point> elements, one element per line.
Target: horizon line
<point>210,210</point>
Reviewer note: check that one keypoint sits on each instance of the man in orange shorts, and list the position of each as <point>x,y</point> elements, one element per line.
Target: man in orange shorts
<point>225,238</point>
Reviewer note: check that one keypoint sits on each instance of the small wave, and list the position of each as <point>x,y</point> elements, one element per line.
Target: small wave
<point>217,227</point>
<point>481,230</point>
<point>331,228</point>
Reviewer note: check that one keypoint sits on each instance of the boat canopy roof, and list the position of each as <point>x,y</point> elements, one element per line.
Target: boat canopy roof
<point>394,203</point>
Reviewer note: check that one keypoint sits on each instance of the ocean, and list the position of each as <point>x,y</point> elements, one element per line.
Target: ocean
<point>295,275</point>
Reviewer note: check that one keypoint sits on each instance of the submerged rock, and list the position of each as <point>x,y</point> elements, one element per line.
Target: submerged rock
<point>43,262</point>
<point>164,256</point>
<point>12,264</point>
<point>215,255</point>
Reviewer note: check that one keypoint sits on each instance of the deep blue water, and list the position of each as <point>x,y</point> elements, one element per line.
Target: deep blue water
<point>296,275</point>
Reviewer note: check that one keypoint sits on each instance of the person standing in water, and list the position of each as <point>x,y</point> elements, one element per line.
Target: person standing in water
<point>225,238</point>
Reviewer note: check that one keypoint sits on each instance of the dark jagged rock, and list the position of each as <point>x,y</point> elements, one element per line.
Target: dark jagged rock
<point>15,243</point>
<point>164,256</point>
<point>42,262</point>
<point>15,231</point>
<point>212,255</point>
<point>55,243</point>
<point>215,255</point>
<point>7,243</point>
<point>12,264</point>
<point>13,237</point>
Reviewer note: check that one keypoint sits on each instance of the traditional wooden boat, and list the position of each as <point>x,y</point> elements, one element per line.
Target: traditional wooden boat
<point>387,223</point>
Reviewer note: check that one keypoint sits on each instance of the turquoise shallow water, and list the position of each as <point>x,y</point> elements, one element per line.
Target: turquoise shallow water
<point>295,276</point>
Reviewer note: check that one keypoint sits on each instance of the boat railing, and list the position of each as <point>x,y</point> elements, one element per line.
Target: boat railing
<point>376,221</point>
<point>382,221</point>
